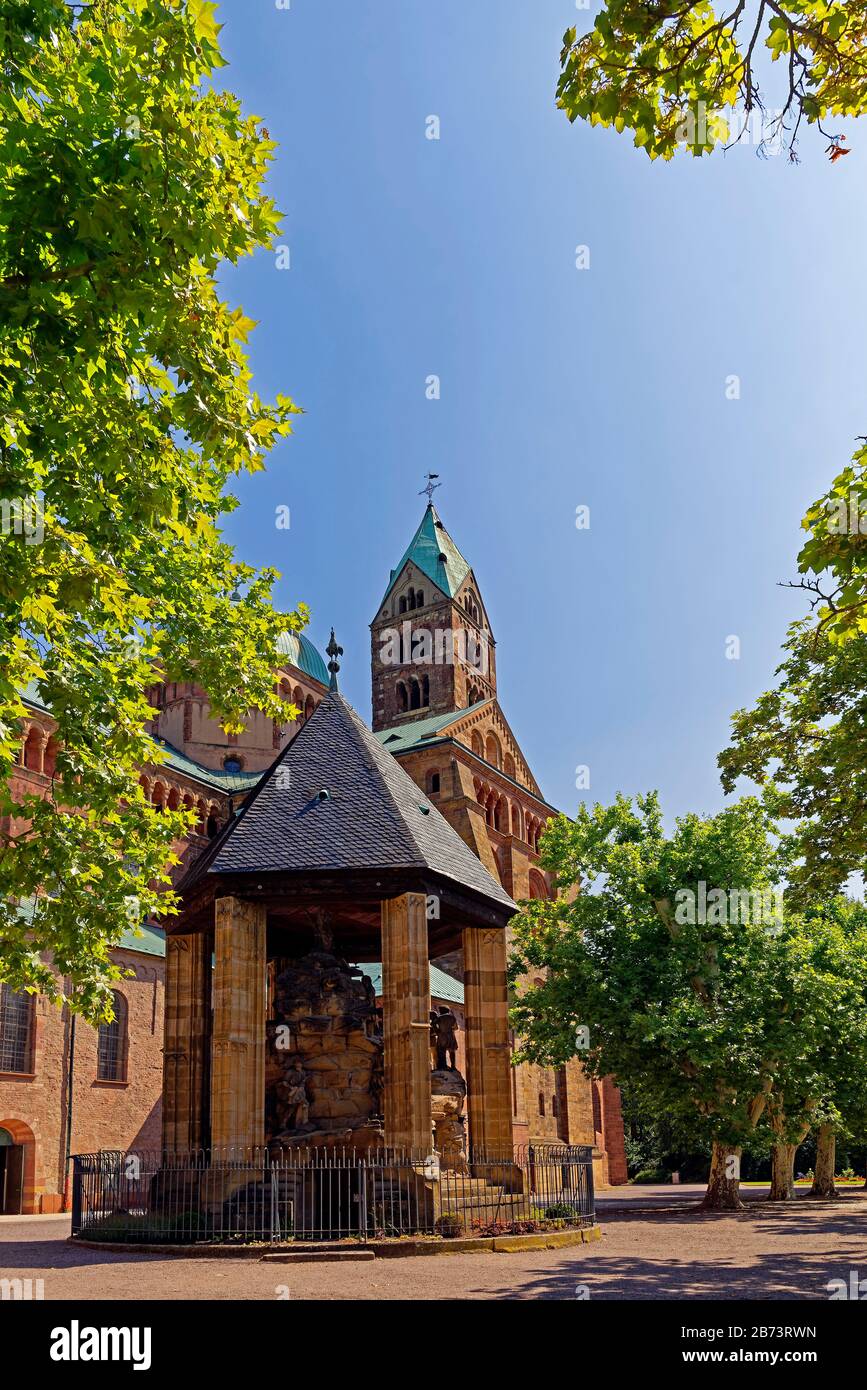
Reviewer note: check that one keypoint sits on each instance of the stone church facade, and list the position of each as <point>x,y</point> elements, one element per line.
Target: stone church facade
<point>440,717</point>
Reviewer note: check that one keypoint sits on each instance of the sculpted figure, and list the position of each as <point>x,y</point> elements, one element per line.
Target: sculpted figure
<point>444,1038</point>
<point>292,1105</point>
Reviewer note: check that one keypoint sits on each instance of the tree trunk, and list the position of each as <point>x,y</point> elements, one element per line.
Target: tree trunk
<point>826,1154</point>
<point>723,1185</point>
<point>783,1172</point>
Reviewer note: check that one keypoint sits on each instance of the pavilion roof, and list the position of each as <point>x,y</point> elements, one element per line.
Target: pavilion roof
<point>373,818</point>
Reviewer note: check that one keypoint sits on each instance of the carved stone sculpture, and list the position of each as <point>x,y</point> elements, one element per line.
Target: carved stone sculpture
<point>443,1036</point>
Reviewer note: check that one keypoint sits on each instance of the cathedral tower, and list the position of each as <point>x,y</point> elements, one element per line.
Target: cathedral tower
<point>432,649</point>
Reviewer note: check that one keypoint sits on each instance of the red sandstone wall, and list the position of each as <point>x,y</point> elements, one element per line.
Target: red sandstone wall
<point>109,1115</point>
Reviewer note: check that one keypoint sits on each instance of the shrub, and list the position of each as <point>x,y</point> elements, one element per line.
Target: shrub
<point>450,1225</point>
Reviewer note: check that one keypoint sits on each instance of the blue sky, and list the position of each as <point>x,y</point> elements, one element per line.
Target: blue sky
<point>604,387</point>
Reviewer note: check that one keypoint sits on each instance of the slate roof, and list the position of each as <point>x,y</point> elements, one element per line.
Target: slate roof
<point>375,817</point>
<point>431,541</point>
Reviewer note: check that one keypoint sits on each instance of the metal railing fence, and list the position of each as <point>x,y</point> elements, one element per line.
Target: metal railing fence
<point>249,1195</point>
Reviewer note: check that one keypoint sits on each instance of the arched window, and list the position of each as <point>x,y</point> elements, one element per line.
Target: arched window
<point>415,695</point>
<point>33,748</point>
<point>419,599</point>
<point>309,706</point>
<point>425,691</point>
<point>410,602</point>
<point>509,766</point>
<point>555,1108</point>
<point>212,826</point>
<point>112,1048</point>
<point>49,758</point>
<point>492,750</point>
<point>477,744</point>
<point>541,1102</point>
<point>538,886</point>
<point>402,698</point>
<point>401,607</point>
<point>233,765</point>
<point>516,822</point>
<point>433,783</point>
<point>16,1031</point>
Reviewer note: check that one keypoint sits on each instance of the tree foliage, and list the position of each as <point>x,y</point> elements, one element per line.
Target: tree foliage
<point>805,743</point>
<point>834,557</point>
<point>667,71</point>
<point>707,1020</point>
<point>126,408</point>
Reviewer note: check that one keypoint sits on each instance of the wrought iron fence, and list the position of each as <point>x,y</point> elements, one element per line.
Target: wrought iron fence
<point>248,1196</point>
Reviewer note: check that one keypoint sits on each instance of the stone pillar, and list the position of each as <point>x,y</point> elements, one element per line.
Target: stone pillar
<point>489,1091</point>
<point>238,1061</point>
<point>406,1024</point>
<point>185,1059</point>
<point>578,1090</point>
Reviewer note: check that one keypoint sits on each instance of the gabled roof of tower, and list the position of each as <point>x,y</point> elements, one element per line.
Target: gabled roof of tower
<point>413,732</point>
<point>444,728</point>
<point>374,816</point>
<point>433,551</point>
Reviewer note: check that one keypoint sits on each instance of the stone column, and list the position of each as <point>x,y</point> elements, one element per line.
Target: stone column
<point>489,1091</point>
<point>238,1058</point>
<point>185,1060</point>
<point>578,1089</point>
<point>406,1024</point>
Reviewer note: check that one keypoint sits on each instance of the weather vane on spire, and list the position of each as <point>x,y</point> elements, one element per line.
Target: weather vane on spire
<point>334,665</point>
<point>431,488</point>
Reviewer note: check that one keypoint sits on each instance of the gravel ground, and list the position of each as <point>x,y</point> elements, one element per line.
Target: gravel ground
<point>768,1252</point>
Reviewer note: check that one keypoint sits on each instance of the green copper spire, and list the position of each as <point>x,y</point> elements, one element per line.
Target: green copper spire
<point>433,551</point>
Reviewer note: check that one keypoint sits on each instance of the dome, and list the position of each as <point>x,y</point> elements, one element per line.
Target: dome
<point>300,652</point>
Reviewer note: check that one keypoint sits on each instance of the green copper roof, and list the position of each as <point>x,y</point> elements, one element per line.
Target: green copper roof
<point>149,940</point>
<point>442,986</point>
<point>301,653</point>
<point>415,731</point>
<point>433,551</point>
<point>212,776</point>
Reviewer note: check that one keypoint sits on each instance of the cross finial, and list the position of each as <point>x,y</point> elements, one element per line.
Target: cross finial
<point>334,665</point>
<point>431,488</point>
